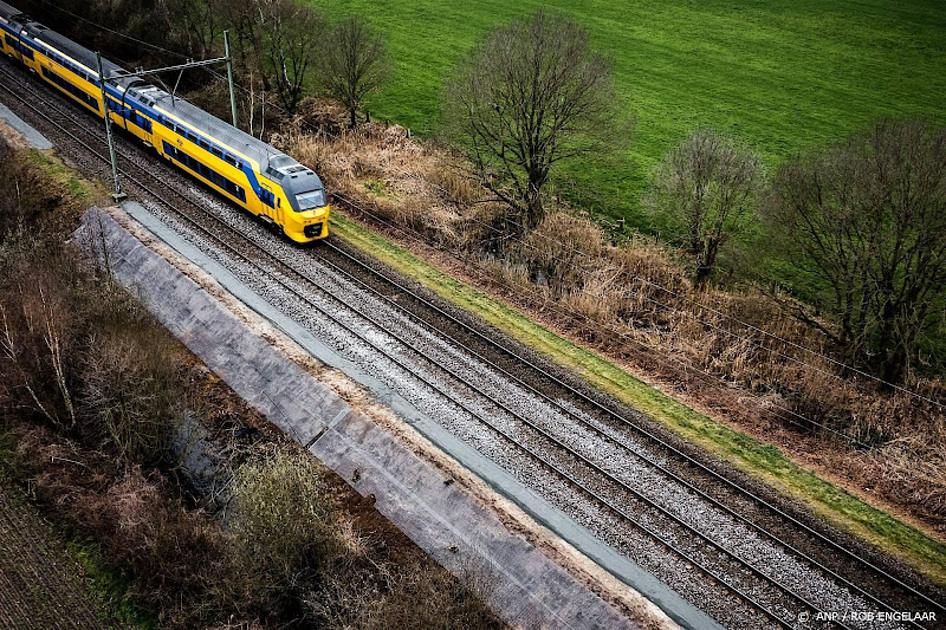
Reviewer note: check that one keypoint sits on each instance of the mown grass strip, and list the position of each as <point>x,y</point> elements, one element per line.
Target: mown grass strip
<point>763,461</point>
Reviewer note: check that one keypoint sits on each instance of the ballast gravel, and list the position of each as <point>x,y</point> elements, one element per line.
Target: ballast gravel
<point>506,422</point>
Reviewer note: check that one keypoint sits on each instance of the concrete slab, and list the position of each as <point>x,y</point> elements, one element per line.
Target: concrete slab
<point>33,137</point>
<point>675,606</point>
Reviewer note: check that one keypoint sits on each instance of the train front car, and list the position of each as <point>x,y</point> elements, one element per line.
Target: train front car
<point>305,194</point>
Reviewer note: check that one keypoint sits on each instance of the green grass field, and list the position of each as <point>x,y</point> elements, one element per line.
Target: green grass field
<point>783,75</point>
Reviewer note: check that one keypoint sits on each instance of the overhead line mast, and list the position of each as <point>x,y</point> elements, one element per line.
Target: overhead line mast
<point>119,195</point>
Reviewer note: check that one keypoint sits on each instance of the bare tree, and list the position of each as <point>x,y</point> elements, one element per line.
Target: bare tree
<point>279,40</point>
<point>131,394</point>
<point>529,96</point>
<point>194,26</point>
<point>292,35</point>
<point>707,187</point>
<point>355,64</point>
<point>868,216</point>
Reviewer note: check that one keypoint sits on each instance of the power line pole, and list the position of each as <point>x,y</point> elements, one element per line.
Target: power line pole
<point>118,195</point>
<point>229,56</point>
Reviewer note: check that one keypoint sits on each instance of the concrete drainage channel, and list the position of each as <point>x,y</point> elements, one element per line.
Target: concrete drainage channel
<point>538,579</point>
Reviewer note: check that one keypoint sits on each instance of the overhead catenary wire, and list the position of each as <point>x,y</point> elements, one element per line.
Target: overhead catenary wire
<point>676,294</point>
<point>700,465</point>
<point>623,335</point>
<point>766,333</point>
<point>697,303</point>
<point>796,418</point>
<point>703,321</point>
<point>582,487</point>
<point>648,460</point>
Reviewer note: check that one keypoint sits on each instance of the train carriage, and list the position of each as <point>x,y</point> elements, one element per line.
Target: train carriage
<point>245,170</point>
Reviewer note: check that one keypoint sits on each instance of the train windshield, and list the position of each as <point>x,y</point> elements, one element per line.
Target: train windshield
<point>311,199</point>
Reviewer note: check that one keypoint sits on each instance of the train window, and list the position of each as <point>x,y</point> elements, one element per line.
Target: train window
<point>74,90</point>
<point>142,122</point>
<point>311,199</point>
<point>206,172</point>
<point>18,46</point>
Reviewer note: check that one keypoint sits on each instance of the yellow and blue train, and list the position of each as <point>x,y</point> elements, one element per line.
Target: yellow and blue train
<point>241,168</point>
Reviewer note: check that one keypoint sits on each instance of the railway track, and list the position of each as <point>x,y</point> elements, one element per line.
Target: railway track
<point>749,589</point>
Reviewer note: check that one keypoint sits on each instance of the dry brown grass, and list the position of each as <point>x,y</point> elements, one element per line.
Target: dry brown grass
<point>407,182</point>
<point>610,295</point>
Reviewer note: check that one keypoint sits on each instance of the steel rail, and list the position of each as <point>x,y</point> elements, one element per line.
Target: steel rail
<point>564,409</point>
<point>657,439</point>
<point>482,393</point>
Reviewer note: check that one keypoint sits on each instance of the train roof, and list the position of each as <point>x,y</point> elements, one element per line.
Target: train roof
<point>70,48</point>
<point>223,132</point>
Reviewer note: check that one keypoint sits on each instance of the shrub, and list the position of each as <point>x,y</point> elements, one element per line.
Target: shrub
<point>282,526</point>
<point>131,393</point>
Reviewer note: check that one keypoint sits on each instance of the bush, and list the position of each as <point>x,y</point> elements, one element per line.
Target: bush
<point>132,394</point>
<point>424,599</point>
<point>91,390</point>
<point>282,526</point>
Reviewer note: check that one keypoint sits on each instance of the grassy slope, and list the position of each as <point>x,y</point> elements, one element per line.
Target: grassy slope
<point>783,74</point>
<point>760,460</point>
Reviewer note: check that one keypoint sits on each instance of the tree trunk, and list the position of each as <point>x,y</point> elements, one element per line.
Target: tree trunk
<point>895,364</point>
<point>535,208</point>
<point>705,262</point>
<point>701,279</point>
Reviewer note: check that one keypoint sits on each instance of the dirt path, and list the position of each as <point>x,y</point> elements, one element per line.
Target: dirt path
<point>40,585</point>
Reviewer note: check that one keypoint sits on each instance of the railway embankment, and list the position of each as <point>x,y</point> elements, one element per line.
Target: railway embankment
<point>155,548</point>
<point>536,579</point>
